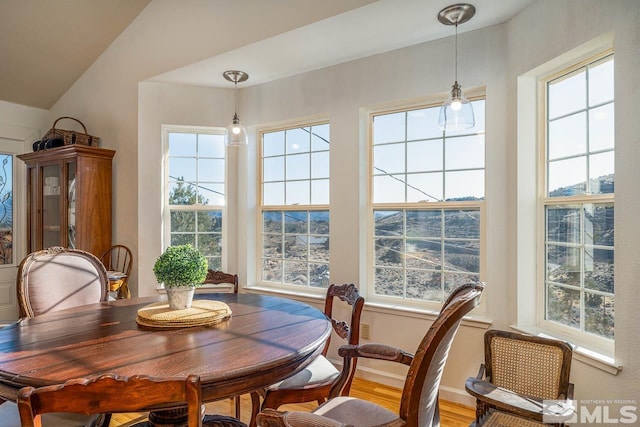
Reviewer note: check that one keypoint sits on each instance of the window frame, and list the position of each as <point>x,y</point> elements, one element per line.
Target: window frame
<point>168,209</point>
<point>261,208</point>
<point>480,205</point>
<point>577,336</point>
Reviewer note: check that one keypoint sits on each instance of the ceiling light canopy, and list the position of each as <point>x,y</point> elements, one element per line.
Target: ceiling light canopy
<point>457,112</point>
<point>236,133</point>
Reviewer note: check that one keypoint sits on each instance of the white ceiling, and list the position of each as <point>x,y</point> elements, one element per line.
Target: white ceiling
<point>46,45</point>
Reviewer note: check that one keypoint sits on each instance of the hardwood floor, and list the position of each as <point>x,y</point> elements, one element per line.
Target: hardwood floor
<point>451,414</point>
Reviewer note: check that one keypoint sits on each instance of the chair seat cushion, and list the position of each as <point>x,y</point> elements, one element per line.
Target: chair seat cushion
<point>9,417</point>
<point>319,371</point>
<point>357,412</point>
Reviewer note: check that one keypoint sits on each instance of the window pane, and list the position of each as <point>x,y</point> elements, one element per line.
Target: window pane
<point>465,185</point>
<point>273,193</point>
<point>183,239</point>
<point>211,170</point>
<point>598,269</point>
<point>273,169</point>
<point>601,173</point>
<point>319,248</point>
<point>182,144</point>
<point>567,94</point>
<point>272,246</point>
<point>184,169</point>
<point>423,124</point>
<point>296,247</point>
<point>319,222</point>
<point>318,275</point>
<point>601,82</point>
<point>272,222</point>
<point>462,224</point>
<point>6,209</point>
<point>183,222</point>
<point>320,192</point>
<point>211,194</point>
<point>601,128</point>
<point>424,187</point>
<point>389,252</point>
<point>182,193</point>
<point>423,156</point>
<point>211,146</point>
<point>568,136</point>
<point>388,128</point>
<point>424,223</point>
<point>563,264</point>
<point>295,222</point>
<point>389,281</point>
<point>272,270</point>
<point>424,285</point>
<point>295,273</point>
<point>460,255</point>
<point>563,306</point>
<point>424,254</point>
<point>598,219</point>
<point>320,165</point>
<point>273,144</point>
<point>320,137</point>
<point>599,315</point>
<point>455,280</point>
<point>298,140</point>
<point>298,166</point>
<point>464,152</point>
<point>389,158</point>
<point>209,244</point>
<point>563,225</point>
<point>298,193</point>
<point>210,222</point>
<point>567,177</point>
<point>388,189</point>
<point>388,223</point>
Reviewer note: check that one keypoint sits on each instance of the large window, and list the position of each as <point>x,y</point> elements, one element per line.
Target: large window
<point>427,198</point>
<point>294,206</point>
<point>578,200</point>
<point>195,191</point>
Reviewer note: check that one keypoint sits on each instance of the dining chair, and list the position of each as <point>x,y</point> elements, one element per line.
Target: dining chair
<point>519,372</point>
<point>118,261</point>
<point>59,278</point>
<point>225,282</point>
<point>110,393</point>
<point>315,381</point>
<point>419,401</point>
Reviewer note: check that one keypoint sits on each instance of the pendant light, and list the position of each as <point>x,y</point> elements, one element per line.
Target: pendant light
<point>236,133</point>
<point>457,112</point>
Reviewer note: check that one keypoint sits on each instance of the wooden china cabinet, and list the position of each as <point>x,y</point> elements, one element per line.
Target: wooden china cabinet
<point>69,198</point>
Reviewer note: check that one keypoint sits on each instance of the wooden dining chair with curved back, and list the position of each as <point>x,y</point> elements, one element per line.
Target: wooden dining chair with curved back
<point>118,261</point>
<point>314,383</point>
<point>225,282</point>
<point>112,394</point>
<point>58,278</point>
<point>419,401</point>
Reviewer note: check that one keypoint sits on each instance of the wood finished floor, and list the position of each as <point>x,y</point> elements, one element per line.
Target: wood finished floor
<point>451,414</point>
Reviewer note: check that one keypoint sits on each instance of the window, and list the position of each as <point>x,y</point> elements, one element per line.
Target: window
<point>195,190</point>
<point>578,200</point>
<point>427,199</point>
<point>294,206</point>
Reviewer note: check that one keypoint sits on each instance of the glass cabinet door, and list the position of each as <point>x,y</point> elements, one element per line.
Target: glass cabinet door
<point>71,203</point>
<point>51,204</point>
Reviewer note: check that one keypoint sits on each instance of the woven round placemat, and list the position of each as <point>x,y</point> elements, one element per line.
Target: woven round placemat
<point>201,313</point>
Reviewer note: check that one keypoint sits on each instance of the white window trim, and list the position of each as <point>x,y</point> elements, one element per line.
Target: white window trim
<point>397,304</point>
<point>166,221</point>
<point>596,351</point>
<point>276,287</point>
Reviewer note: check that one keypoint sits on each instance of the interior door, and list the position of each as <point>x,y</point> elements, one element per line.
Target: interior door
<point>11,227</point>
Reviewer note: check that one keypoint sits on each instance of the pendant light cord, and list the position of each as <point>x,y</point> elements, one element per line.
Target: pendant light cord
<point>456,50</point>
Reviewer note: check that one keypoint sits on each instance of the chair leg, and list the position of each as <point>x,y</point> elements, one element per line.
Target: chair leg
<point>255,408</point>
<point>237,406</point>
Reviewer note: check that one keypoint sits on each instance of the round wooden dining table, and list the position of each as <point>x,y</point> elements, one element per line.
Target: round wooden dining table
<point>266,339</point>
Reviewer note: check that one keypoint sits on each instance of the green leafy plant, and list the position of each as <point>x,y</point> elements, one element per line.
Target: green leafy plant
<point>181,266</point>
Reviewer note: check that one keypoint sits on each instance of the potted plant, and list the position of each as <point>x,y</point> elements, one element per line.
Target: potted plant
<point>181,268</point>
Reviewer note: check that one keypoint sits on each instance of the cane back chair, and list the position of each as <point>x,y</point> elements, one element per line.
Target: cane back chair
<point>118,261</point>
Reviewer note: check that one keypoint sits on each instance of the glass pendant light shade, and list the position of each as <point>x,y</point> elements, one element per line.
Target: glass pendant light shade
<point>236,134</point>
<point>457,112</point>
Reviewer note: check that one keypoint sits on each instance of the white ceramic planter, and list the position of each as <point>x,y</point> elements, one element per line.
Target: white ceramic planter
<point>180,298</point>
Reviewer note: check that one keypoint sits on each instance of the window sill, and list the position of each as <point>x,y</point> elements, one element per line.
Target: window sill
<point>593,358</point>
<point>377,307</point>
